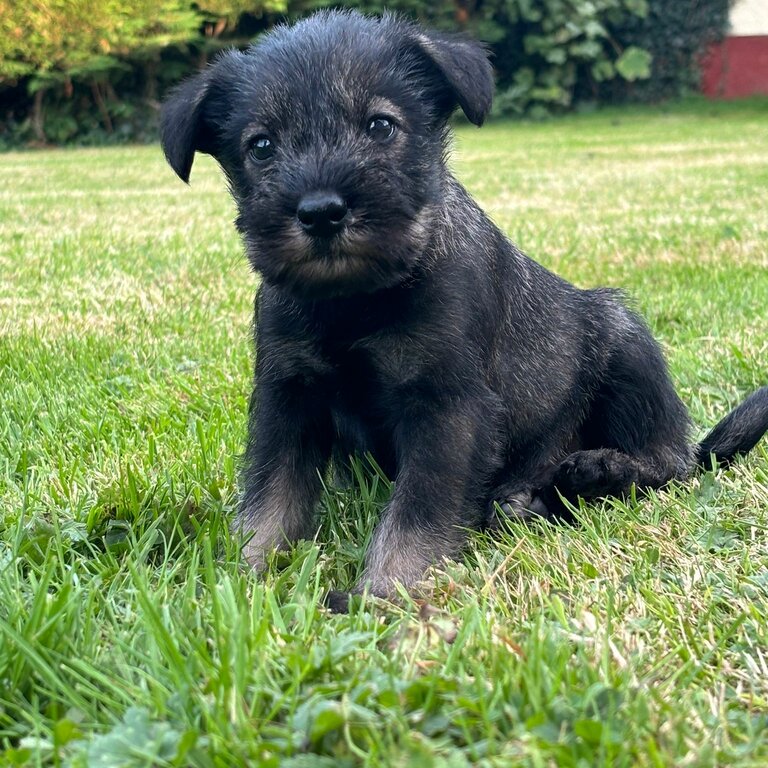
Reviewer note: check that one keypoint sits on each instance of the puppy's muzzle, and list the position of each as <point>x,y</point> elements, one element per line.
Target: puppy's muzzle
<point>322,214</point>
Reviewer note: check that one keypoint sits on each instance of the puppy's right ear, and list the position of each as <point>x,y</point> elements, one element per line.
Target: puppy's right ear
<point>183,127</point>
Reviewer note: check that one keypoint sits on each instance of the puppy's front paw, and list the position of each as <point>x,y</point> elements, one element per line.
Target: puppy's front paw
<point>255,555</point>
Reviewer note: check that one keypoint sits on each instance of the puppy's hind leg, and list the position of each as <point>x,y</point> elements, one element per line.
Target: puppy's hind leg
<point>636,432</point>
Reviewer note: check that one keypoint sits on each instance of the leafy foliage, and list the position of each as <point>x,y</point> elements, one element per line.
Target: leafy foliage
<point>86,49</point>
<point>675,34</point>
<point>549,51</point>
<point>76,36</point>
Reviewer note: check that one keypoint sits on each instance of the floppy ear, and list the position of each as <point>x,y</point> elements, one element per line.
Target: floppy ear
<point>183,127</point>
<point>464,65</point>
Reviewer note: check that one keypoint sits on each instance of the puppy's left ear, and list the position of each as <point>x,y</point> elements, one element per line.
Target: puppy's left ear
<point>464,66</point>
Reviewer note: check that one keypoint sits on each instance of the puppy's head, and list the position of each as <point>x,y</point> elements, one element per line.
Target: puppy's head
<point>332,135</point>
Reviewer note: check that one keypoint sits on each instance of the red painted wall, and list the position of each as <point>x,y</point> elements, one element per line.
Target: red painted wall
<point>736,67</point>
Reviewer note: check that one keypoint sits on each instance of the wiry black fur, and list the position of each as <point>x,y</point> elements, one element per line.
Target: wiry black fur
<point>419,332</point>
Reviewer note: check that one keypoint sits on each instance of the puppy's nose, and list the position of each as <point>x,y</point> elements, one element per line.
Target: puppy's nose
<point>321,214</point>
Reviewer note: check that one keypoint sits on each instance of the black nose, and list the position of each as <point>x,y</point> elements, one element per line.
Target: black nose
<point>321,214</point>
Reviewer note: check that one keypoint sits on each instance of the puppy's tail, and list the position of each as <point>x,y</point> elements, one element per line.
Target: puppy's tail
<point>738,432</point>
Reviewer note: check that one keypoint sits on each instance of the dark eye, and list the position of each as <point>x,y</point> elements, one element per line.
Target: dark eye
<point>380,128</point>
<point>261,148</point>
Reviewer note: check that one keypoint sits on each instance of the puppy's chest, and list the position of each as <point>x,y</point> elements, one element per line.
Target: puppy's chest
<point>371,383</point>
<point>375,370</point>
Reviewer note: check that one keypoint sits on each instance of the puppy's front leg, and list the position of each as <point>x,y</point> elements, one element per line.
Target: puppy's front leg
<point>289,438</point>
<point>445,455</point>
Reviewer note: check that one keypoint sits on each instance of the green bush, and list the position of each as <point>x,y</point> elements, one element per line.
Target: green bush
<point>675,33</point>
<point>88,72</point>
<point>552,54</point>
<point>552,50</point>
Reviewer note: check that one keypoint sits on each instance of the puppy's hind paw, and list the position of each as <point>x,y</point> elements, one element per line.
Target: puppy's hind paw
<point>590,474</point>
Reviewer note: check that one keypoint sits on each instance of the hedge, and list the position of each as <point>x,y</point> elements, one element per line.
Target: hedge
<point>86,72</point>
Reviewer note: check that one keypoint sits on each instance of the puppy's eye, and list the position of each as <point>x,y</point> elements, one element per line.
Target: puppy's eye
<point>261,148</point>
<point>380,128</point>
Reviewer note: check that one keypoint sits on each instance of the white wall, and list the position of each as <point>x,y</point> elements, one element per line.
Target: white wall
<point>749,17</point>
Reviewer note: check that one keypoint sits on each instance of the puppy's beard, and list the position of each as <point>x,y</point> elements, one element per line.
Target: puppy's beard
<point>360,259</point>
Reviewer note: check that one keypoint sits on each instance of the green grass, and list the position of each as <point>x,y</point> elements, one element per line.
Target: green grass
<point>130,632</point>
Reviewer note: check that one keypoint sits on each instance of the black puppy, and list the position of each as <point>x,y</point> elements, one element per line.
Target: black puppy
<point>394,317</point>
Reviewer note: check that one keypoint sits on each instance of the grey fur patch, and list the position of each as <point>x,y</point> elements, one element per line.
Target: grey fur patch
<point>400,555</point>
<point>278,518</point>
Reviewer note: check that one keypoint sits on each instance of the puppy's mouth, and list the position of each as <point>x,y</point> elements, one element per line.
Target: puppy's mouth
<point>351,246</point>
<point>357,258</point>
<point>351,261</point>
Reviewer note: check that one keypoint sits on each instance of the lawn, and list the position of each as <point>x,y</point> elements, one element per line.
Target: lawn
<point>131,634</point>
